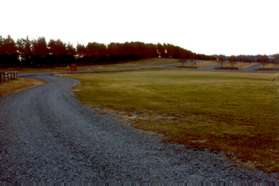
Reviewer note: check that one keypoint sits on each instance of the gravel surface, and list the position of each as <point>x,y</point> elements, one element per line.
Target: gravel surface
<point>46,135</point>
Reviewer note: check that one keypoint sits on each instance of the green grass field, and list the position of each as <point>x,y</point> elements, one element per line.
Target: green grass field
<point>237,113</point>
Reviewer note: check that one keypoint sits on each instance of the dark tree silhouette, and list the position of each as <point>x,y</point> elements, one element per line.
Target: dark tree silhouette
<point>71,51</point>
<point>81,51</point>
<point>57,52</point>
<point>96,51</point>
<point>24,51</point>
<point>40,52</point>
<point>8,52</point>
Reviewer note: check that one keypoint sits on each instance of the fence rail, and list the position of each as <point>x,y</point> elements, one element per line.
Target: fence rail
<point>6,76</point>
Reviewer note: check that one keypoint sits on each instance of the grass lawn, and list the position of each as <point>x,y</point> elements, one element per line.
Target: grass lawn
<point>17,85</point>
<point>237,113</point>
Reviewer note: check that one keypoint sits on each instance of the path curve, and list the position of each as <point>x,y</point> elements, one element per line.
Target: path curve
<point>47,135</point>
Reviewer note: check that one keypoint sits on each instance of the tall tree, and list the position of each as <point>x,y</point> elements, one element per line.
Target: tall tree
<point>40,51</point>
<point>8,52</point>
<point>24,51</point>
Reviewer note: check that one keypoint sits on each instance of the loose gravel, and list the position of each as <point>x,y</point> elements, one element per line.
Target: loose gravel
<point>46,135</point>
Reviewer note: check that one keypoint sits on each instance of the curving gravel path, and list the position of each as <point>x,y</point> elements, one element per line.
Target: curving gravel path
<point>46,135</point>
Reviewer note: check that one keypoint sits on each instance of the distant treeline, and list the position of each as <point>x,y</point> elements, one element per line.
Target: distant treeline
<point>250,58</point>
<point>39,52</point>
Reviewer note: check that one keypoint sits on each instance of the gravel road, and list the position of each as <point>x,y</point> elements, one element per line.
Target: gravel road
<point>46,135</point>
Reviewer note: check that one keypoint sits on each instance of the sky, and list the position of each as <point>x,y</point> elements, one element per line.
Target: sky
<point>229,27</point>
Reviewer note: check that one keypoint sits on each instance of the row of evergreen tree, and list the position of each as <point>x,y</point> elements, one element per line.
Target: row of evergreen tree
<point>39,52</point>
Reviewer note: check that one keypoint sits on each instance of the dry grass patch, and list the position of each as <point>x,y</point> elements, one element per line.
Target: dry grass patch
<point>17,85</point>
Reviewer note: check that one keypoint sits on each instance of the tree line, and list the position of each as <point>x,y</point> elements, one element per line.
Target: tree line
<point>39,52</point>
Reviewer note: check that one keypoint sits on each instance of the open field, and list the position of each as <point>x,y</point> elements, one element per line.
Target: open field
<point>239,65</point>
<point>131,65</point>
<point>128,65</point>
<point>270,67</point>
<point>156,63</point>
<point>17,85</point>
<point>236,113</point>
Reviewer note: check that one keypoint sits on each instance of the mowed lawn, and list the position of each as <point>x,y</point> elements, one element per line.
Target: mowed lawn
<point>236,113</point>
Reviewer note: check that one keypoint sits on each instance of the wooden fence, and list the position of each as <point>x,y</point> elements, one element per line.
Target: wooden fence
<point>6,76</point>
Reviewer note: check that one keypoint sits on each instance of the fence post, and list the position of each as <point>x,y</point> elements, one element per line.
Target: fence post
<point>7,76</point>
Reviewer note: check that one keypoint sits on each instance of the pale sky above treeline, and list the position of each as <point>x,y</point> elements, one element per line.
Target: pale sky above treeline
<point>228,27</point>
